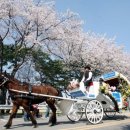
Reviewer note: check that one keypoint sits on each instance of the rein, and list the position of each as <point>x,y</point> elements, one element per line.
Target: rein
<point>45,95</point>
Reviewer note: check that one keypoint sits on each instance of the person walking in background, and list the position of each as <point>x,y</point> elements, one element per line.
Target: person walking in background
<point>35,111</point>
<point>47,111</point>
<point>8,101</point>
<point>26,116</point>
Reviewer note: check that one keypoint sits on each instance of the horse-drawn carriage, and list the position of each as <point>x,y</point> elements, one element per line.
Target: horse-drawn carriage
<point>94,97</point>
<point>22,95</point>
<point>73,103</point>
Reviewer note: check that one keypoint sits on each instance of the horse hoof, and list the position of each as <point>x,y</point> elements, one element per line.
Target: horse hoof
<point>35,126</point>
<point>52,124</point>
<point>6,126</point>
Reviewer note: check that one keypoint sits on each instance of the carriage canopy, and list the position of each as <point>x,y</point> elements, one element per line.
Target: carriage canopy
<point>115,78</point>
<point>119,80</point>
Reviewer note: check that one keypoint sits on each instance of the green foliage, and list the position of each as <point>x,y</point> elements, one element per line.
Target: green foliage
<point>8,54</point>
<point>14,54</point>
<point>96,73</point>
<point>51,70</point>
<point>124,88</point>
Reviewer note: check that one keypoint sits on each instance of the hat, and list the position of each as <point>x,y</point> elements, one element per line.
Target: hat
<point>87,67</point>
<point>101,80</point>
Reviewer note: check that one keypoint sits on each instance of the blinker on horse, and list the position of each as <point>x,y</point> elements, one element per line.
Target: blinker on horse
<point>26,99</point>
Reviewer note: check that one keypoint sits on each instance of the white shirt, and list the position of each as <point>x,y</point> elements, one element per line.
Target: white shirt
<point>89,77</point>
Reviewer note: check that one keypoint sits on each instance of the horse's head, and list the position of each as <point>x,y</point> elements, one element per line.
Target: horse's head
<point>3,79</point>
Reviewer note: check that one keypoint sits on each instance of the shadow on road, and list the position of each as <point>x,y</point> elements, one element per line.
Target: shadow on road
<point>61,121</point>
<point>127,127</point>
<point>116,117</point>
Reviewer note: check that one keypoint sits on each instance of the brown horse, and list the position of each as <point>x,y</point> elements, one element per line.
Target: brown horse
<point>27,99</point>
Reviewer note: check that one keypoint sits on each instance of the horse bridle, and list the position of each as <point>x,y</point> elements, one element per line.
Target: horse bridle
<point>5,80</point>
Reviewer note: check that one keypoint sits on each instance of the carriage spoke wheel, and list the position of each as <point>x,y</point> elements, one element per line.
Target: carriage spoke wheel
<point>94,111</point>
<point>110,113</point>
<point>75,114</point>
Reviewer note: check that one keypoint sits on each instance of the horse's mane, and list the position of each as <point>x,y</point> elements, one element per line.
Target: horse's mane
<point>13,79</point>
<point>15,84</point>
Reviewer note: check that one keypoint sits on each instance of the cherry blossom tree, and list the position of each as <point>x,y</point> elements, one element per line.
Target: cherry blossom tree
<point>30,24</point>
<point>33,24</point>
<point>100,52</point>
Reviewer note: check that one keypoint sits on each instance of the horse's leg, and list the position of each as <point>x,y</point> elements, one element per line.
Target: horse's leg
<point>52,119</point>
<point>12,115</point>
<point>34,112</point>
<point>34,122</point>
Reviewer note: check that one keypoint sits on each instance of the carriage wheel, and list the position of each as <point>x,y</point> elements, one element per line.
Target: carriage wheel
<point>75,114</point>
<point>110,113</point>
<point>94,111</point>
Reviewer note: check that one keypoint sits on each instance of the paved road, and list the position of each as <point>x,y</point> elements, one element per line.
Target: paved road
<point>119,122</point>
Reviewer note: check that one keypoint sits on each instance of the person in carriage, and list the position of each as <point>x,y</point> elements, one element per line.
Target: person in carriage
<point>106,89</point>
<point>86,81</point>
<point>87,77</point>
<point>73,85</point>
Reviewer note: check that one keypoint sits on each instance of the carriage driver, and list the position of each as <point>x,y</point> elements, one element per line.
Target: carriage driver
<point>87,77</point>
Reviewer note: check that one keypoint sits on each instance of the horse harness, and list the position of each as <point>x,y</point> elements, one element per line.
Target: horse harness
<point>22,95</point>
<point>30,88</point>
<point>5,80</point>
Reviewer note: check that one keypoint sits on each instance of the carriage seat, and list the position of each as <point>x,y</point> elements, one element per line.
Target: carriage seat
<point>81,92</point>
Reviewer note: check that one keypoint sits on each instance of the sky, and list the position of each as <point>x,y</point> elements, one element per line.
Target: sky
<point>110,17</point>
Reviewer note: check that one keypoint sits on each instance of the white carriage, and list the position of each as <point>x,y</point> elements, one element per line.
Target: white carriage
<point>81,102</point>
<point>75,106</point>
<point>115,79</point>
<point>94,103</point>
